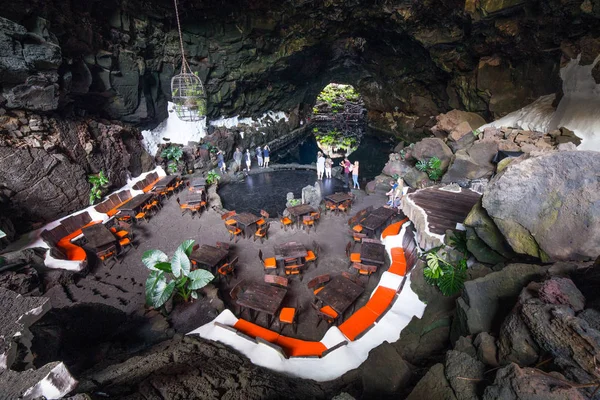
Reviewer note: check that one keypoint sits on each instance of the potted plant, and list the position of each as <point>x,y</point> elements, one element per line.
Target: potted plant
<point>173,277</point>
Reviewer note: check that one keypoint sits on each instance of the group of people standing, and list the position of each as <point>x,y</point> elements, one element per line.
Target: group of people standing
<point>263,157</point>
<point>324,166</point>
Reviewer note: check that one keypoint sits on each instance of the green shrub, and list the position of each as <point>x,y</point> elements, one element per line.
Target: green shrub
<point>175,276</point>
<point>212,177</point>
<point>447,277</point>
<point>432,167</point>
<point>98,182</point>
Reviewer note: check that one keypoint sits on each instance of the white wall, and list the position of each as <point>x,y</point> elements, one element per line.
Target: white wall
<point>182,132</point>
<point>578,110</point>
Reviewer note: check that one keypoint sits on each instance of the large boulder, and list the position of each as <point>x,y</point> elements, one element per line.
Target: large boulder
<point>455,124</point>
<point>193,367</point>
<point>486,230</point>
<point>18,314</point>
<point>463,373</point>
<point>433,147</point>
<point>485,301</point>
<point>546,206</point>
<point>396,167</point>
<point>472,163</point>
<point>384,372</point>
<point>433,385</point>
<point>312,195</point>
<point>416,179</point>
<point>514,383</point>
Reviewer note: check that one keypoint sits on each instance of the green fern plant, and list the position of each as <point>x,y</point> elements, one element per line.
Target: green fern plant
<point>422,165</point>
<point>449,278</point>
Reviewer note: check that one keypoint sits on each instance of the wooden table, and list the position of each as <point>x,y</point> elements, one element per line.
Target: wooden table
<point>298,211</point>
<point>245,220</point>
<point>165,182</point>
<point>198,183</point>
<point>98,236</point>
<point>373,253</point>
<point>132,206</point>
<point>340,293</point>
<point>194,198</point>
<point>384,212</point>
<point>290,250</point>
<point>339,197</point>
<point>209,256</point>
<point>373,222</point>
<point>262,297</point>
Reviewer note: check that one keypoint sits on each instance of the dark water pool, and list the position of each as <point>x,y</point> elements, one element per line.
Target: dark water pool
<point>267,191</point>
<point>372,154</point>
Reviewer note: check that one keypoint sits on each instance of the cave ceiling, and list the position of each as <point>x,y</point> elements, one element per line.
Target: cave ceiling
<point>409,59</point>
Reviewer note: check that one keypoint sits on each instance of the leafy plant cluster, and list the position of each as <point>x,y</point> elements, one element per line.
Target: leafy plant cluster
<point>449,278</point>
<point>212,177</point>
<point>173,154</point>
<point>335,138</point>
<point>336,95</point>
<point>295,202</point>
<point>98,182</point>
<point>433,168</point>
<point>174,276</point>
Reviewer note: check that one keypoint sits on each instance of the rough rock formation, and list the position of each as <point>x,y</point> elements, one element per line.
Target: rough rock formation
<point>19,313</point>
<point>203,368</point>
<point>44,163</point>
<point>408,60</point>
<point>484,299</point>
<point>517,383</point>
<point>533,197</point>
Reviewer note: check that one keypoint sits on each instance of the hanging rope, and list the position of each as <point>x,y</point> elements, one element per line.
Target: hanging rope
<point>187,91</point>
<point>184,64</point>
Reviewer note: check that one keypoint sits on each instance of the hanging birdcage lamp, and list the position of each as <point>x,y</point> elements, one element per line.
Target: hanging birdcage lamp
<point>187,91</point>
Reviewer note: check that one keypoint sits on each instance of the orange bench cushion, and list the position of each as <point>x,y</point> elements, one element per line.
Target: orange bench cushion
<point>255,331</point>
<point>358,323</point>
<point>398,266</point>
<point>381,300</point>
<point>73,252</point>
<point>391,230</point>
<point>300,348</point>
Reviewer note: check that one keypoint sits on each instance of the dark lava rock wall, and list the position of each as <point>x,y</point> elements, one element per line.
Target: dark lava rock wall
<point>409,59</point>
<point>45,160</point>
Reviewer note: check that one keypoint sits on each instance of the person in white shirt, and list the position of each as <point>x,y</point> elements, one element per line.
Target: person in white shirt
<point>328,165</point>
<point>320,165</point>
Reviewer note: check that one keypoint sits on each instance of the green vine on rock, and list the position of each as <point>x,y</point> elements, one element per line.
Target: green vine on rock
<point>98,181</point>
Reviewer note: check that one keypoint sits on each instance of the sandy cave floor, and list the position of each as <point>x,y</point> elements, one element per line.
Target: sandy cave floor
<point>121,285</point>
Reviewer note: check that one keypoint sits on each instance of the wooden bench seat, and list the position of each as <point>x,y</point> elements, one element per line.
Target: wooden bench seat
<point>70,250</point>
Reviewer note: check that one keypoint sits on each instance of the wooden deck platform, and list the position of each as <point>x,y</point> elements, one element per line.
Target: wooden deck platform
<point>444,209</point>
